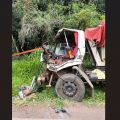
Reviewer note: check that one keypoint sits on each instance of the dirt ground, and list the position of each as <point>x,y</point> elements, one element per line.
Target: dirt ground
<point>75,111</point>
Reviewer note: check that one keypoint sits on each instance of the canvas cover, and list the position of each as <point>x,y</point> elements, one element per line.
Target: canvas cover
<point>97,34</point>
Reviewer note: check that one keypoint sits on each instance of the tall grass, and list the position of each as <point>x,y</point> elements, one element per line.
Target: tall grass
<point>24,69</point>
<point>28,66</point>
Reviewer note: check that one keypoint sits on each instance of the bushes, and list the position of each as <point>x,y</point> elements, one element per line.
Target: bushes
<point>86,17</point>
<point>35,21</point>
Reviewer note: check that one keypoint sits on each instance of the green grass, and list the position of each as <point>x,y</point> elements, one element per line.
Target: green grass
<point>24,69</point>
<point>28,66</point>
<point>99,97</point>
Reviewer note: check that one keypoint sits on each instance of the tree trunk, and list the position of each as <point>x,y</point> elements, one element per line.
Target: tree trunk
<point>17,50</point>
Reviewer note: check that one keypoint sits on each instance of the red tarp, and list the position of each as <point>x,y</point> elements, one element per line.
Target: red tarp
<point>97,34</point>
<point>76,41</point>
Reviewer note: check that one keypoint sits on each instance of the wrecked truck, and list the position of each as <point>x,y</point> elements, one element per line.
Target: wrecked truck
<point>64,62</point>
<point>65,58</point>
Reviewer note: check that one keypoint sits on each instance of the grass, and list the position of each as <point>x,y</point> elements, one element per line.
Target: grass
<point>99,97</point>
<point>28,66</point>
<point>24,69</point>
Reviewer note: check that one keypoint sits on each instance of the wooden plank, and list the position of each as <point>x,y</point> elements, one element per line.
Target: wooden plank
<point>96,54</point>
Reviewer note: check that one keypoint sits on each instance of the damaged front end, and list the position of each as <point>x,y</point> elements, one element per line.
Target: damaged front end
<point>67,51</point>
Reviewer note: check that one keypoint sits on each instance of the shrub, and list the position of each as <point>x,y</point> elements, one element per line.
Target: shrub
<point>86,17</point>
<point>33,23</point>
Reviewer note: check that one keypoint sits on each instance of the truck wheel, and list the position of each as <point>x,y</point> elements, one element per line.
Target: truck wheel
<point>70,86</point>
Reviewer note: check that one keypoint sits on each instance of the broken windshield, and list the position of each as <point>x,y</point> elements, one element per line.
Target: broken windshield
<point>61,49</point>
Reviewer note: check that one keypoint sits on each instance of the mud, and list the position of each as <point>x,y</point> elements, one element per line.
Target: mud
<point>76,111</point>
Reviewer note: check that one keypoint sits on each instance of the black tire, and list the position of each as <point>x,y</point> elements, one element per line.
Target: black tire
<point>70,86</point>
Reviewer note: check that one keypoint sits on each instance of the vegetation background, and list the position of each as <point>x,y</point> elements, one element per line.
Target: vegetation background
<point>35,21</point>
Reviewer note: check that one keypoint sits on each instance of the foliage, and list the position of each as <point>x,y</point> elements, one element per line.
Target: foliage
<point>17,14</point>
<point>87,62</point>
<point>35,21</point>
<point>86,17</point>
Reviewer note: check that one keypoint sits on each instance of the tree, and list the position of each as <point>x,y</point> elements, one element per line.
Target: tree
<point>35,21</point>
<point>17,13</point>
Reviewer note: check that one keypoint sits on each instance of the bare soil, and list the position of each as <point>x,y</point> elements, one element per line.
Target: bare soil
<point>75,111</point>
